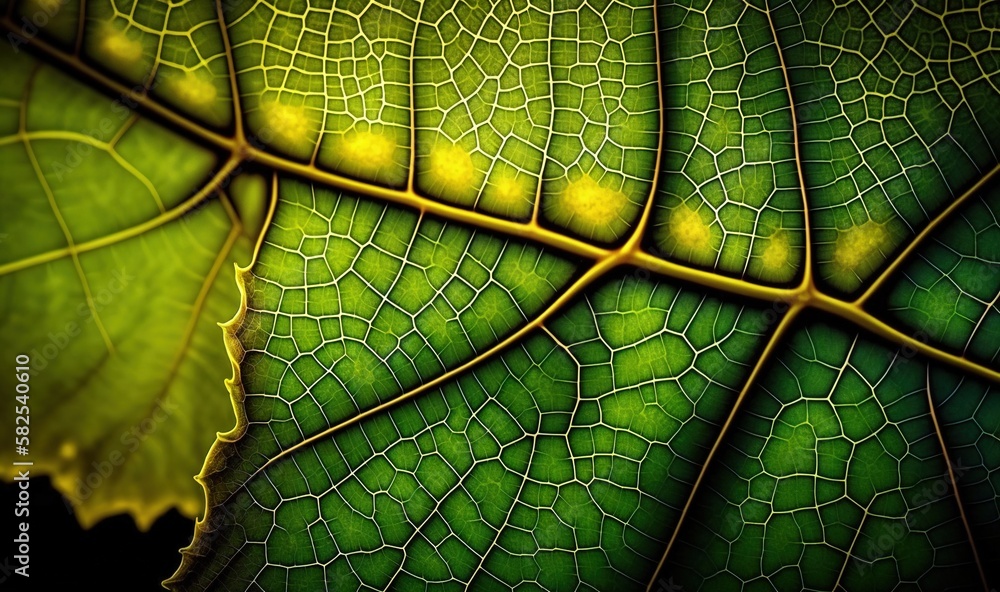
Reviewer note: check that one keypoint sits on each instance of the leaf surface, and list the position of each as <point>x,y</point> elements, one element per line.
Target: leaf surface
<point>545,295</point>
<point>115,237</point>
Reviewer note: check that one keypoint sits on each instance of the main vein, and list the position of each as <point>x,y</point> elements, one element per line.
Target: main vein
<point>250,150</point>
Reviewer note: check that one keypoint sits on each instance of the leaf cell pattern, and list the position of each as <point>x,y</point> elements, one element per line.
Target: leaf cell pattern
<point>602,151</point>
<point>965,412</point>
<point>528,303</point>
<point>730,197</point>
<point>329,84</point>
<point>949,289</point>
<point>894,103</point>
<point>832,479</point>
<point>105,215</point>
<point>560,463</point>
<point>175,49</point>
<point>368,301</point>
<point>483,104</point>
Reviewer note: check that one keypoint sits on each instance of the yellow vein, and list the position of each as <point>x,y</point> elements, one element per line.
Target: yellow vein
<point>125,234</point>
<point>954,482</point>
<point>539,234</point>
<point>137,94</point>
<point>536,206</point>
<point>71,247</point>
<point>532,231</point>
<point>23,125</point>
<point>160,38</point>
<point>144,516</point>
<point>634,242</point>
<point>595,272</point>
<point>672,270</point>
<point>860,318</point>
<point>123,130</point>
<point>426,205</point>
<point>234,88</point>
<point>751,380</point>
<point>912,246</point>
<point>807,270</point>
<point>64,135</point>
<point>199,304</point>
<point>411,174</point>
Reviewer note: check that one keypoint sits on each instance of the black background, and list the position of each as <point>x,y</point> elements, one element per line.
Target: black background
<point>113,555</point>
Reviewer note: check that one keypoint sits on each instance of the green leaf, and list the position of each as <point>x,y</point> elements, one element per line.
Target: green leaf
<point>948,289</point>
<point>177,51</point>
<point>896,107</point>
<point>587,435</point>
<point>833,479</point>
<point>363,302</point>
<point>545,295</point>
<point>114,239</point>
<point>730,197</point>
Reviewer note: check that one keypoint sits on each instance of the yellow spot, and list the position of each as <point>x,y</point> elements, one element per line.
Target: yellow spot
<point>509,191</point>
<point>856,245</point>
<point>367,151</point>
<point>116,44</point>
<point>193,88</point>
<point>287,124</point>
<point>591,203</point>
<point>452,167</point>
<point>689,230</point>
<point>777,252</point>
<point>67,450</point>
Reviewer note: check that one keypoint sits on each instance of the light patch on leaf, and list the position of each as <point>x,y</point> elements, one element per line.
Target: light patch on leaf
<point>857,243</point>
<point>450,167</point>
<point>68,450</point>
<point>50,7</point>
<point>193,88</point>
<point>592,205</point>
<point>509,190</point>
<point>776,254</point>
<point>689,229</point>
<point>287,127</point>
<point>366,151</point>
<point>857,251</point>
<point>509,194</point>
<point>117,45</point>
<point>689,235</point>
<point>775,259</point>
